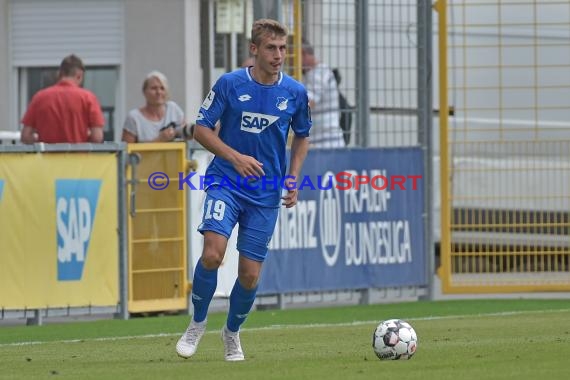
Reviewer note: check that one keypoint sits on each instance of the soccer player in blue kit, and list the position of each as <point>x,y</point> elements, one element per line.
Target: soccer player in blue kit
<point>255,106</point>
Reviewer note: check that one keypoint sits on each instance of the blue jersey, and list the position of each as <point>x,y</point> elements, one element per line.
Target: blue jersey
<point>255,120</point>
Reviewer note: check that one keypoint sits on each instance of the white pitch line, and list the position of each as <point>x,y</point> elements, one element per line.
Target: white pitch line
<point>277,327</point>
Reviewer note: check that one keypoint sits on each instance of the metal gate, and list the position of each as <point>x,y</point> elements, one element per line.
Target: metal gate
<point>157,234</point>
<point>504,74</point>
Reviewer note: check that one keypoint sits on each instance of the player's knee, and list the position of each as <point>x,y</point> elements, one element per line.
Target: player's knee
<point>211,259</point>
<point>248,280</point>
<point>214,250</point>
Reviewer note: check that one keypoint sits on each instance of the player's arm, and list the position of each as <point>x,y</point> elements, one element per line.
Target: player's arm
<point>244,165</point>
<point>299,149</point>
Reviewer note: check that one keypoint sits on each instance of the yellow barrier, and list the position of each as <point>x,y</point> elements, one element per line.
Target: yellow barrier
<point>157,235</point>
<point>58,230</point>
<point>505,163</point>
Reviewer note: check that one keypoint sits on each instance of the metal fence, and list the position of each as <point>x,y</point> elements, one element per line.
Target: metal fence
<point>505,167</point>
<point>379,49</point>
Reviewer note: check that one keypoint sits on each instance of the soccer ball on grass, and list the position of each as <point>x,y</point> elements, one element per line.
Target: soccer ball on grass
<point>394,339</point>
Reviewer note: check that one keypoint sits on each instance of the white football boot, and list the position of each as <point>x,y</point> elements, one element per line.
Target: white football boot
<point>232,346</point>
<point>188,342</point>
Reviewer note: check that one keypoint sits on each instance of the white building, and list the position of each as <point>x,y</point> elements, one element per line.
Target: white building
<point>120,41</point>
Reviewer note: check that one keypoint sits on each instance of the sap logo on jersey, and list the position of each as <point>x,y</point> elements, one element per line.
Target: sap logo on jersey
<point>76,203</point>
<point>256,122</point>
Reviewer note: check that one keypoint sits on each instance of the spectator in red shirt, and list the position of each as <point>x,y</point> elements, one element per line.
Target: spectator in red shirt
<point>64,112</point>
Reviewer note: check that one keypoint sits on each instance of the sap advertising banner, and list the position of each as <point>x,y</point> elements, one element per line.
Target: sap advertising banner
<point>364,230</point>
<point>58,230</point>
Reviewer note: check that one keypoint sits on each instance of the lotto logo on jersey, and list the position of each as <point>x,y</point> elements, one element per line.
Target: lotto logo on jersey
<point>256,122</point>
<point>76,203</point>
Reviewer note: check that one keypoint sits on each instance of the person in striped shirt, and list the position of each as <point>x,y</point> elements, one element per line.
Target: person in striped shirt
<point>323,94</point>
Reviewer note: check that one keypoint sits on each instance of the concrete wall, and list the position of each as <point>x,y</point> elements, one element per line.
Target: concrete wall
<point>194,91</point>
<point>154,40</point>
<point>5,69</point>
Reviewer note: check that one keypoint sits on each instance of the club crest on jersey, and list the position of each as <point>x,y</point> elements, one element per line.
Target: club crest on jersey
<point>256,122</point>
<point>76,204</point>
<point>282,103</point>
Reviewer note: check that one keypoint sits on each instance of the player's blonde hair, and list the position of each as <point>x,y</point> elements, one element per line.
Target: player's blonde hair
<point>266,26</point>
<point>160,77</point>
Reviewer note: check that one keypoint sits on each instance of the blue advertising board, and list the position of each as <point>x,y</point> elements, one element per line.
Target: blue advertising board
<point>358,224</point>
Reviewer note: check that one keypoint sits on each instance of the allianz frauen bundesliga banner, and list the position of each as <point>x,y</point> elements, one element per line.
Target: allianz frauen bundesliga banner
<point>358,224</point>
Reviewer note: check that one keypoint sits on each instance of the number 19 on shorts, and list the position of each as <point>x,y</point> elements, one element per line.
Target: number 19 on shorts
<point>215,209</point>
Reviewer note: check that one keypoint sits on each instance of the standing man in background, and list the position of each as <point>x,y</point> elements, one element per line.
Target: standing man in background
<point>323,93</point>
<point>256,106</point>
<point>64,112</point>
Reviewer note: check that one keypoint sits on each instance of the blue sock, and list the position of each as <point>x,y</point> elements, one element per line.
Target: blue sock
<point>241,301</point>
<point>203,288</point>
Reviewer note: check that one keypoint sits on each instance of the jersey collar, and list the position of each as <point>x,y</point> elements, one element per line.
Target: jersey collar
<point>247,71</point>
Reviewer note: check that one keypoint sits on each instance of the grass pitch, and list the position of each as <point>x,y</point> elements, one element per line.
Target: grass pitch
<point>479,339</point>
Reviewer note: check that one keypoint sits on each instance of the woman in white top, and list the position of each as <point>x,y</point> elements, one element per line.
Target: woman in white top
<point>160,119</point>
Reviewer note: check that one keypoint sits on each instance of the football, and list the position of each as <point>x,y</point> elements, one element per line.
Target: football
<point>394,339</point>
